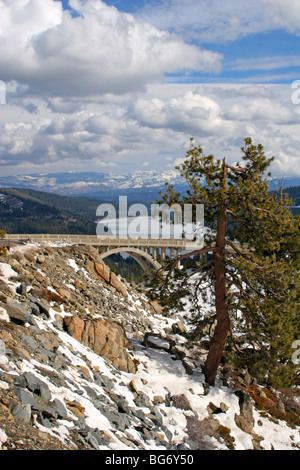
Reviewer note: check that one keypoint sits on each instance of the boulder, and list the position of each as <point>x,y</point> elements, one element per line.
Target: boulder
<point>26,397</point>
<point>60,408</point>
<point>105,337</point>
<point>214,409</point>
<point>110,278</point>
<point>74,326</point>
<point>23,413</point>
<point>179,328</point>
<point>244,420</point>
<point>117,284</point>
<point>158,341</point>
<point>42,305</point>
<point>180,401</point>
<point>103,271</point>
<point>3,315</point>
<point>40,259</point>
<point>37,386</point>
<point>65,293</point>
<point>22,289</point>
<point>17,313</point>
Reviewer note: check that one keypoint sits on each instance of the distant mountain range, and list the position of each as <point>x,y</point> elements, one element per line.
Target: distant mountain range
<point>25,209</point>
<point>103,186</point>
<point>142,185</point>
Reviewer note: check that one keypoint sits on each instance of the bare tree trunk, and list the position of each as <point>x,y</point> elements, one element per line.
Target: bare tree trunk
<point>218,340</point>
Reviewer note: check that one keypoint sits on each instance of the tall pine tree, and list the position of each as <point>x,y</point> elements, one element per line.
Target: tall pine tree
<point>253,271</point>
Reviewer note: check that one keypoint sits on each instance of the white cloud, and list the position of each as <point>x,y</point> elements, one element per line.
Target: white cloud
<point>191,112</point>
<point>100,51</point>
<point>21,23</point>
<point>80,90</point>
<point>265,63</point>
<point>156,128</point>
<point>23,20</point>
<point>285,15</point>
<point>219,20</point>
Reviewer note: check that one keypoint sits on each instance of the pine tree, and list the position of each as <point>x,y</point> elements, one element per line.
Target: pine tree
<point>252,273</point>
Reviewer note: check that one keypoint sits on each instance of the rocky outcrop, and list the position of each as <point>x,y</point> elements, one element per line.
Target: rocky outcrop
<point>66,279</point>
<point>244,420</point>
<point>105,273</point>
<point>104,337</point>
<point>117,284</point>
<point>85,289</point>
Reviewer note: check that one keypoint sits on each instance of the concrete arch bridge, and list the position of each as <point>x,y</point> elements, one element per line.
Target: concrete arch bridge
<point>148,252</point>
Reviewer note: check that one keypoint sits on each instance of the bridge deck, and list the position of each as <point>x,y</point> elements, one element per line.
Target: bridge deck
<point>108,243</point>
<point>180,244</point>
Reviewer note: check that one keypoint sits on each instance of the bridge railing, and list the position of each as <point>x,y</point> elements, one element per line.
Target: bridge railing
<point>106,241</point>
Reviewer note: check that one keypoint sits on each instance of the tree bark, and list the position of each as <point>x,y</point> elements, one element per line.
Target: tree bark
<point>218,340</point>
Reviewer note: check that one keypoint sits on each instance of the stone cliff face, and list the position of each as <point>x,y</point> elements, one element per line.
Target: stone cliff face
<point>86,362</point>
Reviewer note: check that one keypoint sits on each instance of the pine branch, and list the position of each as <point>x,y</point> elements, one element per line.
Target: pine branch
<point>243,255</point>
<point>236,168</point>
<point>189,182</point>
<point>198,270</point>
<point>209,273</point>
<point>202,279</point>
<point>228,211</point>
<point>238,283</point>
<point>253,288</point>
<point>207,249</point>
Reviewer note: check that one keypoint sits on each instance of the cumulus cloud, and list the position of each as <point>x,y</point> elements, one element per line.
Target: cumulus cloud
<point>215,110</point>
<point>156,128</point>
<point>192,112</point>
<point>101,50</point>
<point>285,15</point>
<point>81,90</point>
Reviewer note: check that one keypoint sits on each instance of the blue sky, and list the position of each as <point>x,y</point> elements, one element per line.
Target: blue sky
<point>122,85</point>
<point>269,56</point>
<point>240,63</point>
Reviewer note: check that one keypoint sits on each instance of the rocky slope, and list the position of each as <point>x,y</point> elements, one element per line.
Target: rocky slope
<point>86,362</point>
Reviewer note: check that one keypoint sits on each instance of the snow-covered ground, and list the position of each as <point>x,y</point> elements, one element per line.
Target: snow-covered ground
<point>159,376</point>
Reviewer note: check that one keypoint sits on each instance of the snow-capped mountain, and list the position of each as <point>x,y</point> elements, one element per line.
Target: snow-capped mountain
<point>100,185</point>
<point>72,183</point>
<point>285,182</point>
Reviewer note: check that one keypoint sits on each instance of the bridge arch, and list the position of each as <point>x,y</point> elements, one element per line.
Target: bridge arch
<point>136,254</point>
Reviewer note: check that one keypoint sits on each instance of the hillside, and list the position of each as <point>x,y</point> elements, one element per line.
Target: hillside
<point>294,193</point>
<point>29,211</point>
<point>86,362</point>
<point>84,207</point>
